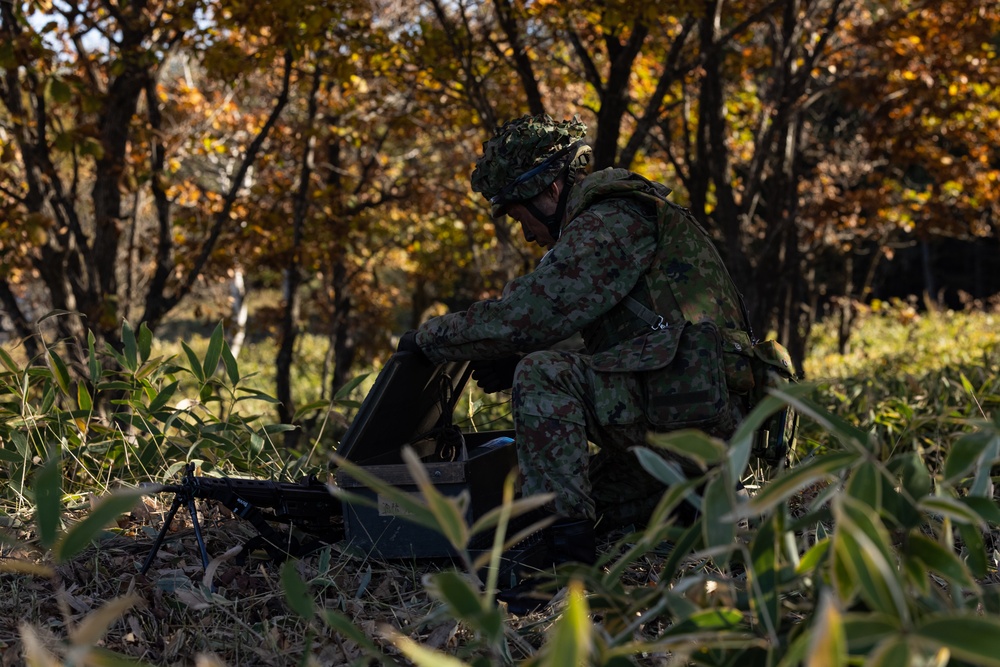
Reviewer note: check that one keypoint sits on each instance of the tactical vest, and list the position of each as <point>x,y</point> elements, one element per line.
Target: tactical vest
<point>687,281</point>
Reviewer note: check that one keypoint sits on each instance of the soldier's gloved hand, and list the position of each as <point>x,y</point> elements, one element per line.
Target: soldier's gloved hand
<point>496,374</point>
<point>408,343</point>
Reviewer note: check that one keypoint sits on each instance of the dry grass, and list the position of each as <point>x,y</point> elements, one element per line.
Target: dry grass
<point>245,620</point>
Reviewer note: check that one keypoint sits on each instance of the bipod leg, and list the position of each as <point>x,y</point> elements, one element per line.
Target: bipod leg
<point>193,509</point>
<point>167,520</point>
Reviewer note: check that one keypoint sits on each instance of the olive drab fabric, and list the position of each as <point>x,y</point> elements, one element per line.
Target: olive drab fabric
<point>661,323</point>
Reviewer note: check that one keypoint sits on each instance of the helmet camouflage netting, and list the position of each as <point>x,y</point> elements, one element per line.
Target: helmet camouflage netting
<point>520,145</point>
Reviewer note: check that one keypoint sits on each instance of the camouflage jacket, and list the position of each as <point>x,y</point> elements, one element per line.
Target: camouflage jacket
<point>617,243</point>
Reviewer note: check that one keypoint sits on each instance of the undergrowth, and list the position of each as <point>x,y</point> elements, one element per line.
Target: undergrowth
<point>876,545</point>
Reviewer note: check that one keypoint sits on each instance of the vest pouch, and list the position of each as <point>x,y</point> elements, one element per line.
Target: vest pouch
<point>773,369</point>
<point>691,391</point>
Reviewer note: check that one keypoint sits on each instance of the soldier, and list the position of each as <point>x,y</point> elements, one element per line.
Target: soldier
<point>665,335</point>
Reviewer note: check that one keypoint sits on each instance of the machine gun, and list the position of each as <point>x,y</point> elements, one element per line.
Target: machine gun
<point>411,403</point>
<point>306,505</point>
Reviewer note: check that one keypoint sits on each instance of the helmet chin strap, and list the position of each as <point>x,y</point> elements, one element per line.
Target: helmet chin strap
<point>554,222</point>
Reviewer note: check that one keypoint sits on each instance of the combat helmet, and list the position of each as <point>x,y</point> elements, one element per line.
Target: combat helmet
<point>525,156</point>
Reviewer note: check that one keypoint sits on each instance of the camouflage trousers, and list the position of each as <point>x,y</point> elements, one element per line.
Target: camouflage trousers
<point>561,405</point>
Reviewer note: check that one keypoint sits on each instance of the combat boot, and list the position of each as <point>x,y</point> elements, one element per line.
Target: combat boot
<point>566,541</point>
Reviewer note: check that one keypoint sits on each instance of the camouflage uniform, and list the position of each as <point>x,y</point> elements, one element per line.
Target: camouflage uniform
<point>664,335</point>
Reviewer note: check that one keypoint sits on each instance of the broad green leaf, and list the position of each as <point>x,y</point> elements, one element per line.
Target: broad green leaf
<point>59,372</point>
<point>828,645</point>
<point>144,342</point>
<point>865,485</point>
<point>214,352</point>
<point>951,508</point>
<point>349,386</point>
<point>763,574</point>
<point>969,636</point>
<point>296,591</point>
<point>861,546</point>
<point>717,507</point>
<point>340,623</point>
<point>83,400</point>
<point>8,362</point>
<point>938,559</point>
<point>303,410</point>
<point>107,509</point>
<point>780,489</point>
<point>48,499</point>
<point>93,363</point>
<point>891,652</point>
<point>811,558</point>
<point>232,366</point>
<point>455,591</point>
<point>691,444</point>
<point>963,455</point>
<point>193,361</point>
<point>705,619</point>
<point>130,347</point>
<point>864,630</point>
<point>667,472</point>
<point>975,549</point>
<point>985,508</point>
<point>163,397</point>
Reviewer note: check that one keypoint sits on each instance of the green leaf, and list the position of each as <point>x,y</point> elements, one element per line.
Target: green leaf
<point>812,558</point>
<point>968,636</point>
<point>214,353</point>
<point>130,347</point>
<point>59,372</point>
<point>232,367</point>
<point>861,548</point>
<point>296,592</point>
<point>421,655</point>
<point>891,652</point>
<point>570,643</point>
<point>349,386</point>
<point>667,472</point>
<point>865,485</point>
<point>937,558</point>
<point>787,484</point>
<point>717,506</point>
<point>410,507</point>
<point>454,590</point>
<point>48,500</point>
<point>449,514</point>
<point>763,575</point>
<point>951,508</point>
<point>8,362</point>
<point>163,397</point>
<point>107,509</point>
<point>340,623</point>
<point>193,361</point>
<point>828,645</point>
<point>964,455</point>
<point>145,342</point>
<point>83,400</point>
<point>986,508</point>
<point>865,630</point>
<point>691,444</point>
<point>93,363</point>
<point>975,549</point>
